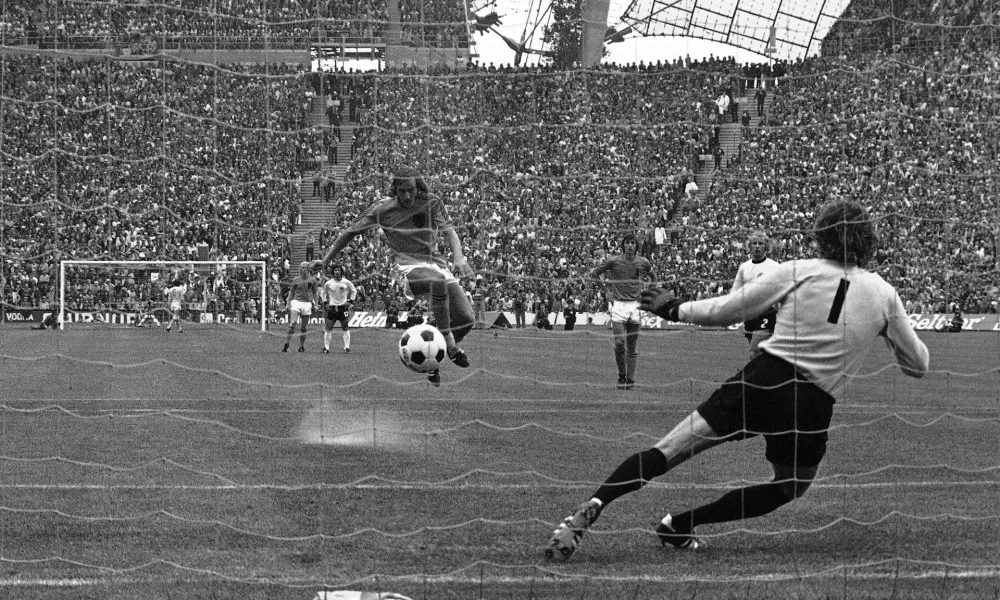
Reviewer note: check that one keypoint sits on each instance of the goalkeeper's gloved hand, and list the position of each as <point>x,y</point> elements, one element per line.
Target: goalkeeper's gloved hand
<point>661,303</point>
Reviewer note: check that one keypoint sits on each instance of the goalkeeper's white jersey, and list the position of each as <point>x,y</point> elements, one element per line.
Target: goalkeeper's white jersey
<point>830,317</point>
<point>336,292</point>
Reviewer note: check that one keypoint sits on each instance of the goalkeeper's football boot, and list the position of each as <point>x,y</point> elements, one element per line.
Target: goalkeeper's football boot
<point>621,382</point>
<point>567,536</point>
<point>434,377</point>
<point>457,356</point>
<point>670,534</point>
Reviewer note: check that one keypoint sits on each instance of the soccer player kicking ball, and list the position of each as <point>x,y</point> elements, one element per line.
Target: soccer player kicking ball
<point>832,312</point>
<point>301,297</point>
<point>411,219</point>
<point>338,293</point>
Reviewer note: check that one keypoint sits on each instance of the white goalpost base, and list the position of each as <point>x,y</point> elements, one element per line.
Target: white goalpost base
<point>118,292</point>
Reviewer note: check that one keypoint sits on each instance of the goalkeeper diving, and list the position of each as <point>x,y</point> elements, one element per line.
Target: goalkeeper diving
<point>831,313</point>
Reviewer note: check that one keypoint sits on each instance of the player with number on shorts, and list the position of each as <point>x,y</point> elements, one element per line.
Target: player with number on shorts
<point>337,294</point>
<point>761,327</point>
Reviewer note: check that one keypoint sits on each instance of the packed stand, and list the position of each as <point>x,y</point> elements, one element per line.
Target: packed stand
<point>192,23</point>
<point>916,141</point>
<point>544,201</point>
<point>542,170</point>
<point>149,163</point>
<point>912,27</point>
<point>436,23</point>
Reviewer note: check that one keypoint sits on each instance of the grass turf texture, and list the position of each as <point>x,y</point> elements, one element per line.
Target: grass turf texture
<point>138,463</point>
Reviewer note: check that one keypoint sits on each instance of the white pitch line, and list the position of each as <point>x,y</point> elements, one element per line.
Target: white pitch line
<point>453,486</point>
<point>836,573</point>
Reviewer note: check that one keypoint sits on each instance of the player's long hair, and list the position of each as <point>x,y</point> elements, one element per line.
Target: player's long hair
<point>409,173</point>
<point>844,232</point>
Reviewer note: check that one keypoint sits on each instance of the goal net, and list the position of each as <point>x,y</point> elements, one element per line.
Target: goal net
<point>132,293</point>
<point>217,465</point>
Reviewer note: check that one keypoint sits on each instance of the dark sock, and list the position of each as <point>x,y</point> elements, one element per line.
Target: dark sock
<point>744,503</point>
<point>441,307</point>
<point>632,474</point>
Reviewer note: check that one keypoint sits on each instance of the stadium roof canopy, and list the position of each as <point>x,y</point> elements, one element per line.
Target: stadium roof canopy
<point>799,26</point>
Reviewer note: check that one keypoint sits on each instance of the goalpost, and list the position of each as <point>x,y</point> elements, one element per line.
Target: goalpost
<point>118,291</point>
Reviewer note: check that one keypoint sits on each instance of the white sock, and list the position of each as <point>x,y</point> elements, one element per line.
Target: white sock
<point>347,340</point>
<point>327,336</point>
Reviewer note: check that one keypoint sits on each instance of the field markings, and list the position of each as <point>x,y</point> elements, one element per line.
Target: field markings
<point>841,572</point>
<point>456,486</point>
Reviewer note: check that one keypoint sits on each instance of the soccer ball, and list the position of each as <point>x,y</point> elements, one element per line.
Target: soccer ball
<point>422,348</point>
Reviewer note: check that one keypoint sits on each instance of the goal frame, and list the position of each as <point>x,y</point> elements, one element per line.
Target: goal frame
<point>165,263</point>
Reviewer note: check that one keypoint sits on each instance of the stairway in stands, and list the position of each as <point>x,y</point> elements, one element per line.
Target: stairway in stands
<point>730,135</point>
<point>314,211</point>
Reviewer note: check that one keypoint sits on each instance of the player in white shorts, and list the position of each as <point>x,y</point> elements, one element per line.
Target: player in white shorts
<point>626,273</point>
<point>302,294</point>
<point>411,219</point>
<point>175,297</point>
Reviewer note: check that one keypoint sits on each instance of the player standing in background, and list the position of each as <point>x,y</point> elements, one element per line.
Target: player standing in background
<point>302,294</point>
<point>759,328</point>
<point>625,275</point>
<point>832,312</point>
<point>479,302</point>
<point>338,293</point>
<point>175,297</point>
<point>146,314</point>
<point>411,220</point>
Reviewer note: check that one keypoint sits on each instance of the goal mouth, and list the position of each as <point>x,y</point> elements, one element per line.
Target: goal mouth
<point>139,293</point>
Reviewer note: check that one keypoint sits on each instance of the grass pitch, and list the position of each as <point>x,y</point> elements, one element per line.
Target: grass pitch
<point>137,463</point>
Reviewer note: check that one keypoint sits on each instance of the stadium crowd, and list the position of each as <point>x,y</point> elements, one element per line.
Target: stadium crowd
<point>918,141</point>
<point>542,170</point>
<point>146,163</point>
<point>226,24</point>
<point>547,170</point>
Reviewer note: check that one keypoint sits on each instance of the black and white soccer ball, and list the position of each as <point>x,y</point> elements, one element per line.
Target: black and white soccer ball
<point>422,348</point>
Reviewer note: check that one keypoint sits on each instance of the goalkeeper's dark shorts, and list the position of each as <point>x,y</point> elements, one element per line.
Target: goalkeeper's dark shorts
<point>770,397</point>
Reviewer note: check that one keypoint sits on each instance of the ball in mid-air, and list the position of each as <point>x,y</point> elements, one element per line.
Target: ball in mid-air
<point>422,348</point>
